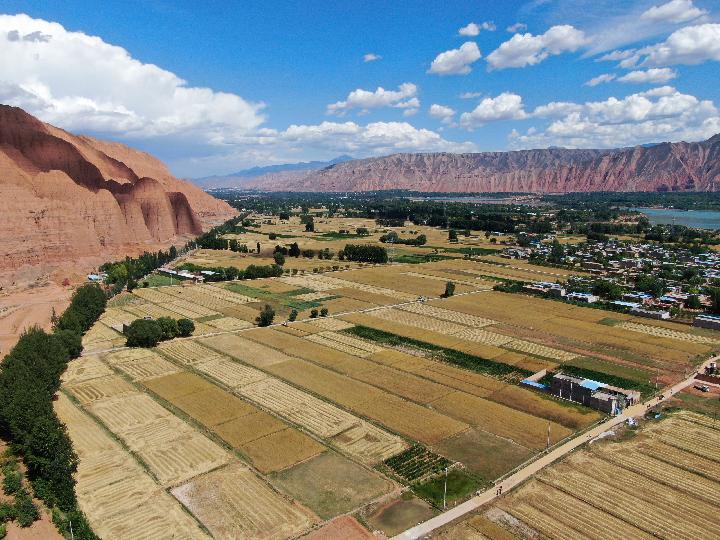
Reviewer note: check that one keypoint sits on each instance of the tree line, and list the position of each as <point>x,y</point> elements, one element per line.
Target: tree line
<point>29,378</point>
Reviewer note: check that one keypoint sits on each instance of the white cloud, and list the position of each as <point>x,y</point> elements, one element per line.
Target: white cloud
<point>402,98</point>
<point>650,76</point>
<point>506,106</point>
<point>556,109</point>
<point>600,79</point>
<point>442,112</point>
<point>617,55</point>
<point>456,61</point>
<point>470,95</point>
<point>473,29</point>
<point>689,45</point>
<point>517,27</point>
<point>662,113</point>
<point>80,82</point>
<point>371,57</point>
<point>675,11</point>
<point>526,49</point>
<point>410,112</point>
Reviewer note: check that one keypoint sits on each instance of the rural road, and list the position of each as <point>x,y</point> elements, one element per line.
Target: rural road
<point>424,529</point>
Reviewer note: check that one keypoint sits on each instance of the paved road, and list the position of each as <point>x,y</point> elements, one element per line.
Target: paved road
<point>424,529</point>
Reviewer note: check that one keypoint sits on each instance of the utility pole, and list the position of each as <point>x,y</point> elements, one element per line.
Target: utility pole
<point>548,437</point>
<point>445,491</point>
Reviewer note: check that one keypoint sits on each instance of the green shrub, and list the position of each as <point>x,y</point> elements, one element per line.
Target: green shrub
<point>25,509</point>
<point>169,328</point>
<point>324,312</point>
<point>185,327</point>
<point>12,481</point>
<point>293,315</point>
<point>449,290</point>
<point>7,512</point>
<point>72,342</point>
<point>313,313</point>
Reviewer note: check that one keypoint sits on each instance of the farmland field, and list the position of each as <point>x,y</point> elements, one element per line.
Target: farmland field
<point>654,485</point>
<point>301,427</point>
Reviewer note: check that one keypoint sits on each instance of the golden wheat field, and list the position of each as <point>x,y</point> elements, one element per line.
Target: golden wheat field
<point>636,488</point>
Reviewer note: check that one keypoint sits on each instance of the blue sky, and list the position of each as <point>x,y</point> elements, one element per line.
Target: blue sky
<point>214,87</point>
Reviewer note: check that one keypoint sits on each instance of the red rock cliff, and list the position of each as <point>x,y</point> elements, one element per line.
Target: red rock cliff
<point>66,198</point>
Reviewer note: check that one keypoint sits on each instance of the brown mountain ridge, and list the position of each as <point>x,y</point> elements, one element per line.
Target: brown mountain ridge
<point>77,200</point>
<point>667,166</point>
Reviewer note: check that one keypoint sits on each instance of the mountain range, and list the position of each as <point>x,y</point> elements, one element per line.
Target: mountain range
<point>77,201</point>
<point>677,166</point>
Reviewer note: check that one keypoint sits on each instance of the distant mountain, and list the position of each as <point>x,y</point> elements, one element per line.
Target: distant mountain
<point>660,167</point>
<point>285,171</point>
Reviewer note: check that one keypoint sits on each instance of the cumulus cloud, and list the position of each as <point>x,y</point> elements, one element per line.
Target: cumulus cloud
<point>456,61</point>
<point>688,45</point>
<point>662,113</point>
<point>527,49</point>
<point>80,82</point>
<point>600,79</point>
<point>473,29</point>
<point>506,106</point>
<point>371,57</point>
<point>652,76</point>
<point>517,27</point>
<point>402,98</point>
<point>675,11</point>
<point>442,112</point>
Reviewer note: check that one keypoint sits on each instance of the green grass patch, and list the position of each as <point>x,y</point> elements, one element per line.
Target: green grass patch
<point>708,405</point>
<point>159,280</point>
<point>334,235</point>
<point>645,388</point>
<point>616,370</point>
<point>609,321</point>
<point>417,258</point>
<point>460,485</point>
<point>284,299</point>
<point>467,361</point>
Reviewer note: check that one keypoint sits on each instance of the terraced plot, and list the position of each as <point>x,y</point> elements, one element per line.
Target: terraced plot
<point>234,503</point>
<point>85,368</point>
<point>344,343</point>
<point>448,315</point>
<point>667,333</point>
<point>188,352</point>
<point>229,324</point>
<point>99,388</point>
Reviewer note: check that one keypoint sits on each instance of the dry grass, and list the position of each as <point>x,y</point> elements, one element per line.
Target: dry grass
<point>280,450</point>
<point>234,503</point>
<point>245,350</point>
<point>99,389</point>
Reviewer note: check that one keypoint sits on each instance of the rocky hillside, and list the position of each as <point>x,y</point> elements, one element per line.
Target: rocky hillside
<point>68,199</point>
<point>668,166</point>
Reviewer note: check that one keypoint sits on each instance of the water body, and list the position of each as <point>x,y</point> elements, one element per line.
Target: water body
<point>698,219</point>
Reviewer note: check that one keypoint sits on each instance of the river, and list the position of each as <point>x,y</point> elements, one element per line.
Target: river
<point>698,219</point>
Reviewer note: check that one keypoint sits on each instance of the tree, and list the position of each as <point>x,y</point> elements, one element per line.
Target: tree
<point>452,235</point>
<point>185,327</point>
<point>70,321</point>
<point>169,328</point>
<point>650,283</point>
<point>309,224</point>
<point>607,289</point>
<point>272,236</point>
<point>313,313</point>
<point>279,258</point>
<point>143,333</point>
<point>365,253</point>
<point>362,231</point>
<point>557,252</point>
<point>693,302</point>
<point>72,342</point>
<point>266,316</point>
<point>449,289</point>
<point>324,312</point>
<point>258,247</point>
<point>293,315</point>
<point>284,216</point>
<point>714,293</point>
<point>294,250</point>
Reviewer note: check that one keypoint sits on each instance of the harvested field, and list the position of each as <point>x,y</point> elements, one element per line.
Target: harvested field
<point>85,368</point>
<point>234,503</point>
<point>368,443</point>
<point>149,367</point>
<point>119,498</point>
<point>315,415</point>
<point>483,453</point>
<point>540,350</point>
<point>99,389</point>
<point>403,384</point>
<point>345,343</point>
<point>248,428</point>
<point>243,349</point>
<point>280,450</point>
<point>230,373</point>
<point>652,485</point>
<point>401,416</point>
<point>172,450</point>
<point>330,323</point>
<point>329,484</point>
<point>667,333</point>
<point>188,351</point>
<point>229,324</point>
<point>448,315</point>
<point>524,429</point>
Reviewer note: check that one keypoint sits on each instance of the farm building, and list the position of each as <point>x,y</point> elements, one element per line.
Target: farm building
<point>707,321</point>
<point>582,297</point>
<point>606,398</point>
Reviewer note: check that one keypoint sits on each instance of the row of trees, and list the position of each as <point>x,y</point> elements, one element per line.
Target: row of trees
<point>365,253</point>
<point>29,379</point>
<point>150,332</point>
<point>129,270</point>
<point>393,238</point>
<point>230,273</point>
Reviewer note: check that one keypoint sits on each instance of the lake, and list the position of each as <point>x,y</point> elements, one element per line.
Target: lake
<point>699,219</point>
